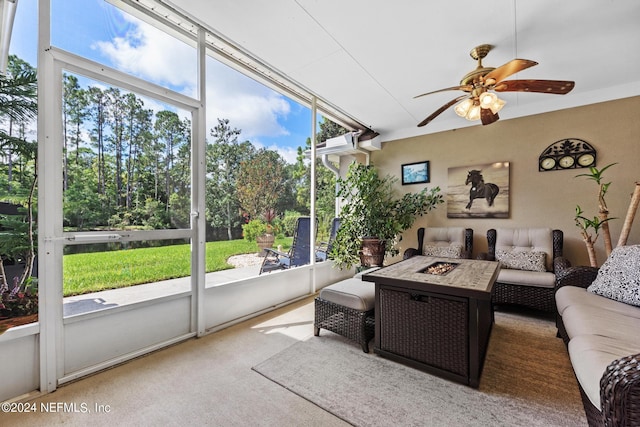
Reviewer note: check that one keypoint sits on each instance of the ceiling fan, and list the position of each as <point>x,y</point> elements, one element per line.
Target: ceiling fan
<point>480,101</point>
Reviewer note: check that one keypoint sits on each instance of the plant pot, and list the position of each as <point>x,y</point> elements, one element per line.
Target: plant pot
<point>372,253</point>
<point>17,321</point>
<point>265,241</point>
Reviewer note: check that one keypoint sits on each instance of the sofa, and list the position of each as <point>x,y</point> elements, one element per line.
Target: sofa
<point>530,259</point>
<point>598,317</point>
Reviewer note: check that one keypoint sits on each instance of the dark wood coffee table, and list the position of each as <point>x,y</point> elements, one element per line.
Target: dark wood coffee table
<point>439,323</point>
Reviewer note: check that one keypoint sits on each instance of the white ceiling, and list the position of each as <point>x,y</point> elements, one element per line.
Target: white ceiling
<point>371,57</point>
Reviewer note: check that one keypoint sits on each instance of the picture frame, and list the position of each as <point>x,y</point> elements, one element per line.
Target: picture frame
<point>479,191</point>
<point>416,173</point>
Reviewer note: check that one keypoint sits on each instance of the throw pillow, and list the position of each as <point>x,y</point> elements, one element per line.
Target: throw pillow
<point>522,260</point>
<point>450,251</point>
<point>619,277</point>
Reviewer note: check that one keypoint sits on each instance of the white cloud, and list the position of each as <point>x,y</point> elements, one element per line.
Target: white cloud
<point>153,55</point>
<point>249,106</point>
<point>289,154</point>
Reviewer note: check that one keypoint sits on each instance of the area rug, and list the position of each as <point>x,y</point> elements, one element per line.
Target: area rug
<point>526,381</point>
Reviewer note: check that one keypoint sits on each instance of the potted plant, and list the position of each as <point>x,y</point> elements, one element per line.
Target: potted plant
<point>18,305</point>
<point>18,286</point>
<point>374,216</point>
<point>261,230</point>
<point>600,222</point>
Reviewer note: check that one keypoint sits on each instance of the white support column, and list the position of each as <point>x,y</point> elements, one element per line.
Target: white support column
<point>198,173</point>
<point>7,16</point>
<point>49,207</point>
<point>312,187</point>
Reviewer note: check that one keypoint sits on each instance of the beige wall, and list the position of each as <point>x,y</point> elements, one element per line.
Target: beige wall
<point>537,199</point>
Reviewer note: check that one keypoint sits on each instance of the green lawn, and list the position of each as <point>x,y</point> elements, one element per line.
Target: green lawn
<point>96,271</point>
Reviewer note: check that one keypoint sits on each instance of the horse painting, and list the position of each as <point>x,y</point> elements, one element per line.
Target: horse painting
<point>479,189</point>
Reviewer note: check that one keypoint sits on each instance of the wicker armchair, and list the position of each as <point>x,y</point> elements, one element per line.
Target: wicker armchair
<point>443,237</point>
<point>620,382</point>
<point>535,295</point>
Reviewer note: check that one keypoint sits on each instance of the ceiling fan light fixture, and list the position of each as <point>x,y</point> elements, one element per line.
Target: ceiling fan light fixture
<point>474,113</point>
<point>463,107</point>
<point>497,106</point>
<point>491,101</point>
<point>480,101</point>
<point>487,99</point>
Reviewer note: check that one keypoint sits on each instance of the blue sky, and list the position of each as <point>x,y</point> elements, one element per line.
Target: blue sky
<point>97,30</point>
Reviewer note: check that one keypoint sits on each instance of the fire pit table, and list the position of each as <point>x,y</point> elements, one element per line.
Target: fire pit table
<point>435,314</point>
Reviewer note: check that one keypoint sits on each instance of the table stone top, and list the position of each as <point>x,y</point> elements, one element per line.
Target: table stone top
<point>469,273</point>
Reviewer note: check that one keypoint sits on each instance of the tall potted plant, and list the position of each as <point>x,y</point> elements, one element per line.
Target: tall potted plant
<point>261,230</point>
<point>265,240</point>
<point>373,216</point>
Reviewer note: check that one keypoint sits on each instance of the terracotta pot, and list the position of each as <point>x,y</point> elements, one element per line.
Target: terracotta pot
<point>265,241</point>
<point>17,321</point>
<point>372,253</point>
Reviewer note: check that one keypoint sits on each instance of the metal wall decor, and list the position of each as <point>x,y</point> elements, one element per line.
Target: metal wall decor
<point>569,153</point>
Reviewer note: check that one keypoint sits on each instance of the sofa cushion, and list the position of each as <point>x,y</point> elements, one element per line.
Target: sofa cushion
<point>590,355</point>
<point>584,320</point>
<point>353,293</point>
<point>522,260</point>
<point>526,278</point>
<point>619,276</point>
<point>573,295</point>
<point>527,239</point>
<point>445,235</point>
<point>447,250</point>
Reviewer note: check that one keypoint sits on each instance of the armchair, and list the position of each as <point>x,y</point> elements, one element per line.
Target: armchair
<point>530,258</point>
<point>454,242</point>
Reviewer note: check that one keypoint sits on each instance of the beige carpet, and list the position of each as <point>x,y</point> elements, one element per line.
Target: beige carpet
<point>527,381</point>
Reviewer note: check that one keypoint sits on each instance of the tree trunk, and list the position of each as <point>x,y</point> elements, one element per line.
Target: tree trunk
<point>4,275</point>
<point>589,243</point>
<point>604,215</point>
<point>29,259</point>
<point>229,233</point>
<point>631,213</point>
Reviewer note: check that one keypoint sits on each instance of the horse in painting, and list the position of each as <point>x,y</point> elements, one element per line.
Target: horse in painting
<point>479,189</point>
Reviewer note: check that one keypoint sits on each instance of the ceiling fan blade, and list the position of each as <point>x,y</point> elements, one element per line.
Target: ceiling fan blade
<point>466,88</point>
<point>441,110</point>
<point>558,87</point>
<point>504,71</point>
<point>487,116</point>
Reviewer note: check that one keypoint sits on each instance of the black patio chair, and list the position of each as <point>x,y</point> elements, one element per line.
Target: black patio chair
<point>299,253</point>
<point>324,248</point>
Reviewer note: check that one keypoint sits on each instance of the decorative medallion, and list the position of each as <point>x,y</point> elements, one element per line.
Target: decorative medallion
<point>570,153</point>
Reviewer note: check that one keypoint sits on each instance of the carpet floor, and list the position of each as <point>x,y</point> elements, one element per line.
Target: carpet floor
<point>527,380</point>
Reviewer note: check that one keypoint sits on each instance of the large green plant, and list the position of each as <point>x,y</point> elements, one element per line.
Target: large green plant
<point>18,106</point>
<point>372,209</point>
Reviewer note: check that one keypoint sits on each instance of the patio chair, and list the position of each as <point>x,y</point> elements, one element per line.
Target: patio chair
<point>450,242</point>
<point>298,253</point>
<point>324,248</point>
<point>530,259</point>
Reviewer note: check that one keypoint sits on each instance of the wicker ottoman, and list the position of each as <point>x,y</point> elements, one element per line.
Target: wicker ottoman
<point>346,308</point>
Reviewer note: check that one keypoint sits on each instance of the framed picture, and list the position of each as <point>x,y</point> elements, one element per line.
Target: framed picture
<point>478,191</point>
<point>415,173</point>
